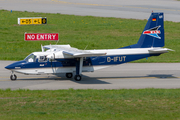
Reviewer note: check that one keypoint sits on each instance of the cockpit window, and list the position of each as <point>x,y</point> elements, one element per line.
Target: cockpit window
<point>30,58</point>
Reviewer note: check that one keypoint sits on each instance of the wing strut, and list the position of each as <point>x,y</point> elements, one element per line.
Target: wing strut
<point>79,64</point>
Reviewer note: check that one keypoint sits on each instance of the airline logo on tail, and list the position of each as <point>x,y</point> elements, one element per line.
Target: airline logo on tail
<point>153,32</point>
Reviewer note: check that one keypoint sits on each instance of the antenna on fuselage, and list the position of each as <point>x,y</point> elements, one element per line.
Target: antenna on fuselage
<point>57,42</point>
<point>86,47</point>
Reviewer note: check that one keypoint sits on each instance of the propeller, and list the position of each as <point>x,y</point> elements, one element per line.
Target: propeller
<point>50,47</point>
<point>42,48</point>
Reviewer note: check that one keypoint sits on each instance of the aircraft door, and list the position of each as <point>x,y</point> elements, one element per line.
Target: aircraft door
<point>101,60</point>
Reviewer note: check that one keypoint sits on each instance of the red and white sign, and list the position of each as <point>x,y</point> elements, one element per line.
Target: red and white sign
<point>40,36</point>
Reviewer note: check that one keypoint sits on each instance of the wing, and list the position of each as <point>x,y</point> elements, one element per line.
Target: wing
<point>74,52</point>
<point>82,53</point>
<point>58,47</point>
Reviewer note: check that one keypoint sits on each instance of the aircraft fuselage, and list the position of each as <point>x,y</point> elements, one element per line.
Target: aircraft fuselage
<point>67,64</point>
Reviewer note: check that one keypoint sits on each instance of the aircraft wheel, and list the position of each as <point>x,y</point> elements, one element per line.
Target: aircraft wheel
<point>13,77</point>
<point>77,77</point>
<point>69,75</point>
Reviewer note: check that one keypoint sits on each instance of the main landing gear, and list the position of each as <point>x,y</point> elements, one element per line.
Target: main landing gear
<point>13,77</point>
<point>76,77</point>
<point>79,64</point>
<point>69,75</point>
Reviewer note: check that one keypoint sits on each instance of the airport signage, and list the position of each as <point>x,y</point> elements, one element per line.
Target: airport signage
<point>41,36</point>
<point>32,21</point>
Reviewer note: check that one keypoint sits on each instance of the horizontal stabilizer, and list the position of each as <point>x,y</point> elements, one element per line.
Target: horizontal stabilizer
<point>160,50</point>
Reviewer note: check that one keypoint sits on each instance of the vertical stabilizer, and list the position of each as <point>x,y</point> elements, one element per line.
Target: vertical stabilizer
<point>153,33</point>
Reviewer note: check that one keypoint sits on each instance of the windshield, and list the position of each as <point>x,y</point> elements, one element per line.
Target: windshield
<point>30,58</point>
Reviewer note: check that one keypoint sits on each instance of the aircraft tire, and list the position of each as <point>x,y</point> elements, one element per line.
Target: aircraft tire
<point>69,75</point>
<point>77,77</point>
<point>13,77</point>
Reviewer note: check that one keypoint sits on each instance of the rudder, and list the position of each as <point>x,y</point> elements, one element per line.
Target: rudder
<point>153,33</point>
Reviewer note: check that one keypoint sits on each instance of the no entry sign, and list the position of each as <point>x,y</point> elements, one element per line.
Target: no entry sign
<point>40,36</point>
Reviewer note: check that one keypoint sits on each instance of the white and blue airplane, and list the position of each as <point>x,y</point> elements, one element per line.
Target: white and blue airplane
<point>65,59</point>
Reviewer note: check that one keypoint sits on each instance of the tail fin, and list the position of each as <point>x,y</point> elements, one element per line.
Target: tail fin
<point>153,33</point>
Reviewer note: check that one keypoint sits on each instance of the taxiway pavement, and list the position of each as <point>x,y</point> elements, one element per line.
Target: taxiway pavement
<point>125,76</point>
<point>139,9</point>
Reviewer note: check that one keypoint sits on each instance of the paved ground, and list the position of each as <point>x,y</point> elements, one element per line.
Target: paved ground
<point>139,9</point>
<point>129,76</point>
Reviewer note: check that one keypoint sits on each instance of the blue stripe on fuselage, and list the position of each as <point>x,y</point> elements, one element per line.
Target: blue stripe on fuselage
<point>88,61</point>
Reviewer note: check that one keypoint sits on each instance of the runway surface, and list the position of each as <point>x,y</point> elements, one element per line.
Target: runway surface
<point>125,76</point>
<point>139,9</point>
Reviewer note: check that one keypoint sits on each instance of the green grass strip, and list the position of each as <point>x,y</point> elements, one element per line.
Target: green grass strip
<point>80,31</point>
<point>134,104</point>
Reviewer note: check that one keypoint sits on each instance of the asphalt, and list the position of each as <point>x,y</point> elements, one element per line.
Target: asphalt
<point>125,76</point>
<point>139,9</point>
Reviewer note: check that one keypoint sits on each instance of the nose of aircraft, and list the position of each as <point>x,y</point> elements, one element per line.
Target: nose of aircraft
<point>15,64</point>
<point>8,67</point>
<point>11,66</point>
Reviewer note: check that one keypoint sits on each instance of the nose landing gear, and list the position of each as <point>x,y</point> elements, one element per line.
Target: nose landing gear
<point>13,77</point>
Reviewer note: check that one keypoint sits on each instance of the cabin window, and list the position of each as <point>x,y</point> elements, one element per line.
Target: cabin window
<point>42,59</point>
<point>30,58</point>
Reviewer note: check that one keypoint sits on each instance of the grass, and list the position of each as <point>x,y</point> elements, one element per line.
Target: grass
<point>79,31</point>
<point>155,104</point>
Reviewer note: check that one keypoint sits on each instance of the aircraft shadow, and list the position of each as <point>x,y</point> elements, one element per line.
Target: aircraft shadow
<point>159,76</point>
<point>97,80</point>
<point>162,76</point>
<point>85,79</point>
